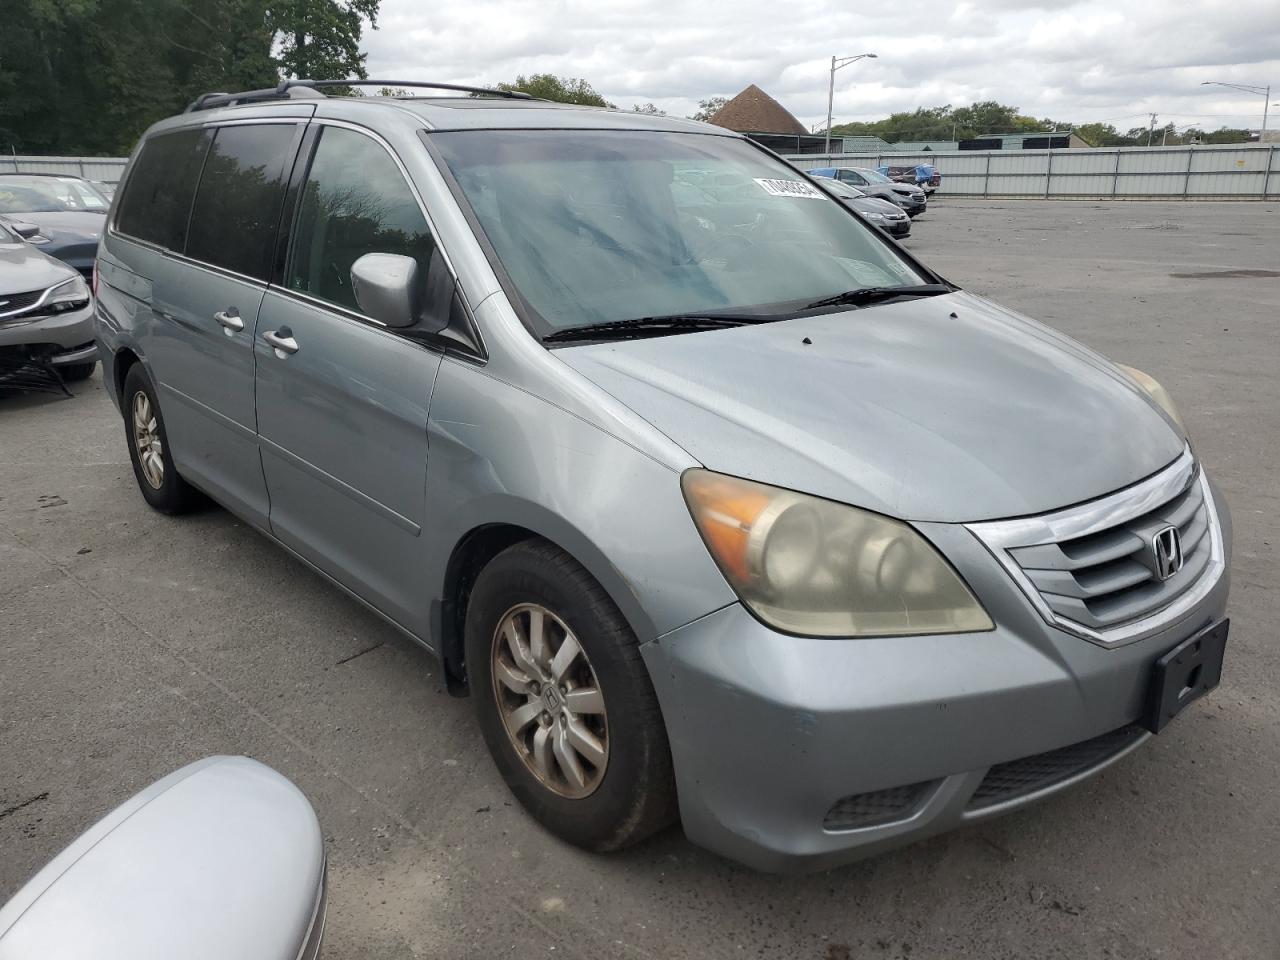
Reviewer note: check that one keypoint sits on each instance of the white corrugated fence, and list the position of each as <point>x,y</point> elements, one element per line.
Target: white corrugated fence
<point>1224,172</point>
<point>1219,172</point>
<point>107,169</point>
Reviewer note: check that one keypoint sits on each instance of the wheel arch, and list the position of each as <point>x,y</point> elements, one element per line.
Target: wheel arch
<point>123,362</point>
<point>478,546</point>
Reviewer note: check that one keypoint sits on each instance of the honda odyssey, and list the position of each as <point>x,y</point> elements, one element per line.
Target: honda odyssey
<point>718,503</point>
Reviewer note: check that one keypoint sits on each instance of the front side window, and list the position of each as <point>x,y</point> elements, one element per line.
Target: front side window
<point>355,201</point>
<point>237,207</point>
<point>596,226</point>
<point>850,176</point>
<point>156,204</point>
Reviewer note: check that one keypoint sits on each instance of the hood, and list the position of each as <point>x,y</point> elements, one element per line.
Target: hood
<point>947,408</point>
<point>907,188</point>
<point>66,225</point>
<point>72,234</point>
<point>24,268</point>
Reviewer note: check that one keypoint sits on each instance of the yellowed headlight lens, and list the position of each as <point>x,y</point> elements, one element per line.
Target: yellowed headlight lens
<point>817,568</point>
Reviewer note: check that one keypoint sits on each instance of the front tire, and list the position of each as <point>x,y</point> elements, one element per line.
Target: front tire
<point>565,702</point>
<point>158,479</point>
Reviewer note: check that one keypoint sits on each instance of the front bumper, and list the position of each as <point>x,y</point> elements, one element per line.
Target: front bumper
<point>770,733</point>
<point>59,338</point>
<point>911,205</point>
<point>898,229</point>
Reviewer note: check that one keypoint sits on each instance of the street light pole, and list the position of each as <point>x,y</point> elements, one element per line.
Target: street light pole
<point>1264,92</point>
<point>836,64</point>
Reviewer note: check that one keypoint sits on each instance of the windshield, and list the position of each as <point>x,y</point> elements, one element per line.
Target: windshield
<point>600,226</point>
<point>875,176</point>
<point>19,194</point>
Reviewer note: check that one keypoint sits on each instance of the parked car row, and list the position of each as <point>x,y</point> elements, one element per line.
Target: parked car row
<point>49,230</point>
<point>908,196</point>
<point>68,212</point>
<point>889,217</point>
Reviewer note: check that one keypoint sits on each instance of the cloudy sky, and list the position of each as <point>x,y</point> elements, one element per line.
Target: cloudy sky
<point>1109,61</point>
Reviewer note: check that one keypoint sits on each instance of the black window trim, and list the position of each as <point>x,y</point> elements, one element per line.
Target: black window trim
<point>286,238</point>
<point>180,255</point>
<point>113,229</point>
<point>301,125</point>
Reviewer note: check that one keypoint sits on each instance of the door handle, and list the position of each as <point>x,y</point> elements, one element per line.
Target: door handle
<point>230,319</point>
<point>282,340</point>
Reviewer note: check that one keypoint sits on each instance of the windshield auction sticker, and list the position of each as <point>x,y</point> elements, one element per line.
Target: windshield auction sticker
<point>789,188</point>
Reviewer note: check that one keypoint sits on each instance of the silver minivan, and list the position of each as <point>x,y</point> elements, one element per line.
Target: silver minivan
<point>718,503</point>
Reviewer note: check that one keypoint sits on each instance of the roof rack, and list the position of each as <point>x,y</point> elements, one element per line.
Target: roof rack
<point>305,89</point>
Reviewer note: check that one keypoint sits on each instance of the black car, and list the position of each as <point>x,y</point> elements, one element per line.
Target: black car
<point>69,212</point>
<point>889,217</point>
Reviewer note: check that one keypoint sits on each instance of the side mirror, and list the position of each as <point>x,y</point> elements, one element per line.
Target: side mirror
<point>387,288</point>
<point>25,230</point>
<point>223,858</point>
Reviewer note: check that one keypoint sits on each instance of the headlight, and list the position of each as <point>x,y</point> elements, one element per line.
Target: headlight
<point>1152,388</point>
<point>813,567</point>
<point>71,295</point>
<point>873,216</point>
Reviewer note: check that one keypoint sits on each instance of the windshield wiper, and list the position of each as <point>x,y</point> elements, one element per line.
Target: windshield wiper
<point>656,326</point>
<point>865,295</point>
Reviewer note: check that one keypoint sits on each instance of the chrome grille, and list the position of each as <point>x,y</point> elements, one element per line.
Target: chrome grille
<point>14,303</point>
<point>1093,569</point>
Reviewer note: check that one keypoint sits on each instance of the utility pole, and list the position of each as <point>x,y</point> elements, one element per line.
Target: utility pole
<point>1249,88</point>
<point>1152,131</point>
<point>836,64</point>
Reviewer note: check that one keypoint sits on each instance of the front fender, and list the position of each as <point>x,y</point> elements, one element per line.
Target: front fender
<point>501,456</point>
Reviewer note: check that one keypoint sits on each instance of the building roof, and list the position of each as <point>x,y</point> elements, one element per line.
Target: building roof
<point>754,111</point>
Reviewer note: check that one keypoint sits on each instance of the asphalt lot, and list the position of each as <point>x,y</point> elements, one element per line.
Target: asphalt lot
<point>131,643</point>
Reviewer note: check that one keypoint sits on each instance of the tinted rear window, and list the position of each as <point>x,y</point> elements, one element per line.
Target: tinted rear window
<point>157,197</point>
<point>237,206</point>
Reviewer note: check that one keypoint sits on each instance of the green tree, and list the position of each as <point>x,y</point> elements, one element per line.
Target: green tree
<point>547,86</point>
<point>88,76</point>
<point>648,108</point>
<point>1100,135</point>
<point>320,38</point>
<point>709,108</point>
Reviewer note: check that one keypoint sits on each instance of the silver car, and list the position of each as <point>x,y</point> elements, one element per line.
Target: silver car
<point>46,313</point>
<point>908,196</point>
<point>735,512</point>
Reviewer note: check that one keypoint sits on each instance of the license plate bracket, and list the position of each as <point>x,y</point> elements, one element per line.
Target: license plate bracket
<point>1185,674</point>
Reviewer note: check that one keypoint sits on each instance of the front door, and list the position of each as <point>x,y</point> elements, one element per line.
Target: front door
<point>342,400</point>
<point>206,301</point>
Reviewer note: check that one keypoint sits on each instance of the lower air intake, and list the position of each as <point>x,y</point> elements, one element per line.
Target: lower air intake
<point>878,807</point>
<point>1019,778</point>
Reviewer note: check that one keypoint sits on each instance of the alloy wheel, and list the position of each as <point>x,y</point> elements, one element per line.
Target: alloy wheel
<point>550,700</point>
<point>146,439</point>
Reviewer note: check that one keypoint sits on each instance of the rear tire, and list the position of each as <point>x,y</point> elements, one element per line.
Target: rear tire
<point>158,479</point>
<point>75,372</point>
<point>602,702</point>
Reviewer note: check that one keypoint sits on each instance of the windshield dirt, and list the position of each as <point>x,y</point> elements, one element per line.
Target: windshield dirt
<point>599,226</point>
